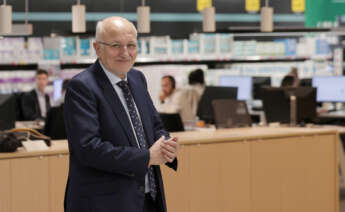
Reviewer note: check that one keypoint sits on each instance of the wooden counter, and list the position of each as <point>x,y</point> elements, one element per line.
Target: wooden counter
<point>34,181</point>
<point>256,169</point>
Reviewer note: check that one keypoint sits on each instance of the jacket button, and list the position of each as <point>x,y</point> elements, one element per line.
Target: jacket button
<point>142,189</point>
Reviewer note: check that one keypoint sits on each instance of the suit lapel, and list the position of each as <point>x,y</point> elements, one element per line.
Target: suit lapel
<point>115,104</point>
<point>138,93</point>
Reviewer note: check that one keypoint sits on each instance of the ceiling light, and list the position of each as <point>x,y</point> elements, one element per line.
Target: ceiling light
<point>5,19</point>
<point>78,18</point>
<point>143,18</point>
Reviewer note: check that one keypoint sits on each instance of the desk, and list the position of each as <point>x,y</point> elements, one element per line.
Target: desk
<point>256,169</point>
<point>333,115</point>
<point>34,181</point>
<point>38,125</point>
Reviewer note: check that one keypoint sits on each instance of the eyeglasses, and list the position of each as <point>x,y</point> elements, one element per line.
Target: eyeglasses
<point>117,46</point>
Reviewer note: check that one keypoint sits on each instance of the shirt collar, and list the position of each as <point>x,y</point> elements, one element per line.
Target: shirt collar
<point>39,93</point>
<point>112,77</point>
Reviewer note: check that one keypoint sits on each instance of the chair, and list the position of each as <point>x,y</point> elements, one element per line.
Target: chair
<point>172,122</point>
<point>19,112</point>
<point>230,113</point>
<point>55,124</point>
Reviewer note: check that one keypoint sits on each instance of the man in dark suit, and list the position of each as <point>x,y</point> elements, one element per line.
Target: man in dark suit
<point>36,103</point>
<point>116,139</point>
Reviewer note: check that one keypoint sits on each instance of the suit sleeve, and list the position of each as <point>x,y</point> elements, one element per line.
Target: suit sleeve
<point>158,125</point>
<point>85,142</point>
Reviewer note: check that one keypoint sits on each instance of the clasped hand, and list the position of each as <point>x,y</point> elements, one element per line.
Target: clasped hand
<point>163,151</point>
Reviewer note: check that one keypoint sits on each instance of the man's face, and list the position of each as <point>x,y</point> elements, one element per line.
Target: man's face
<point>41,81</point>
<point>167,87</point>
<point>117,50</point>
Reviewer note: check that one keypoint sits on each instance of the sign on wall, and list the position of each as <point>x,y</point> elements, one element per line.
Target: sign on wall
<point>298,6</point>
<point>252,5</point>
<point>201,4</point>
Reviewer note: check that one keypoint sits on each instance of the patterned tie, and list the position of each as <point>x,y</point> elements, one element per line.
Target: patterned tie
<point>139,131</point>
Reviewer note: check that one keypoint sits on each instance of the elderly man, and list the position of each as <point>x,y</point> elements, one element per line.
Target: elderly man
<point>115,136</point>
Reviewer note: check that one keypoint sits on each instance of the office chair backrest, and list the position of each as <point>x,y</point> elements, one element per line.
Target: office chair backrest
<point>172,122</point>
<point>55,124</point>
<point>230,113</point>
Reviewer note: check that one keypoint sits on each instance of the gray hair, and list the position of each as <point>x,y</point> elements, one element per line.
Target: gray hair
<point>100,30</point>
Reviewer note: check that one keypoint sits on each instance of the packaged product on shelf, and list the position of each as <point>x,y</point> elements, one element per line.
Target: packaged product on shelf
<point>84,45</point>
<point>225,44</point>
<point>51,48</point>
<point>68,49</point>
<point>159,45</point>
<point>290,46</point>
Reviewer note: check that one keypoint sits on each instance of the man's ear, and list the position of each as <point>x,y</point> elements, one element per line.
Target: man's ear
<point>97,47</point>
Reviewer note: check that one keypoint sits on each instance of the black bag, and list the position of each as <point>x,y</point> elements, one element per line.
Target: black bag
<point>10,140</point>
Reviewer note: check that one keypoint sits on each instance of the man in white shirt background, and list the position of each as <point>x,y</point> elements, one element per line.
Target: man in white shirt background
<point>169,96</point>
<point>36,103</point>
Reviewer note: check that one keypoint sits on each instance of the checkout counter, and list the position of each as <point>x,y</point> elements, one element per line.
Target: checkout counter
<point>260,169</point>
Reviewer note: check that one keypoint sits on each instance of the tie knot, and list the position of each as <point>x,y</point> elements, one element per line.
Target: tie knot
<point>122,84</point>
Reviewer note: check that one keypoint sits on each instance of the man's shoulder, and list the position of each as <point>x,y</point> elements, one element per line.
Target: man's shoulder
<point>135,72</point>
<point>84,76</point>
<point>29,93</point>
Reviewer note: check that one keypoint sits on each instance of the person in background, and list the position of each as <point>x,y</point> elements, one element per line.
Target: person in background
<point>190,96</point>
<point>115,136</point>
<point>291,79</point>
<point>61,100</point>
<point>294,74</point>
<point>196,81</point>
<point>55,124</point>
<point>35,104</point>
<point>288,81</point>
<point>169,98</point>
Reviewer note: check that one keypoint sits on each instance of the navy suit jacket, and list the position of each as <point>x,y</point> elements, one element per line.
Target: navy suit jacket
<point>107,169</point>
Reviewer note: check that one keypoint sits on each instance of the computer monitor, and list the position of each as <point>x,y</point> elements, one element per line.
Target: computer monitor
<point>7,112</point>
<point>306,82</point>
<point>172,122</point>
<point>276,104</point>
<point>243,83</point>
<point>55,124</point>
<point>258,83</point>
<point>330,88</point>
<point>57,89</point>
<point>205,111</point>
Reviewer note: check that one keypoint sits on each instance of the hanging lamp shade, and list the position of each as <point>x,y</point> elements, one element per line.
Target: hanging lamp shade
<point>5,19</point>
<point>78,18</point>
<point>143,19</point>
<point>208,22</point>
<point>266,19</point>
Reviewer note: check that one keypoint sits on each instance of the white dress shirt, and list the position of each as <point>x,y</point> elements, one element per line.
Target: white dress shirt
<point>171,104</point>
<point>42,102</point>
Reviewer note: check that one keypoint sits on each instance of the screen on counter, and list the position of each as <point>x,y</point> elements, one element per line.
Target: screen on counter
<point>330,88</point>
<point>243,84</point>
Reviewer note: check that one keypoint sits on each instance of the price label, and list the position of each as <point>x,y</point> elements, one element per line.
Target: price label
<point>297,6</point>
<point>252,5</point>
<point>201,4</point>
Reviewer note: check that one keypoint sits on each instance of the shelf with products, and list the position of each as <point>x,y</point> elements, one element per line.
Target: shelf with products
<point>204,48</point>
<point>166,61</point>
